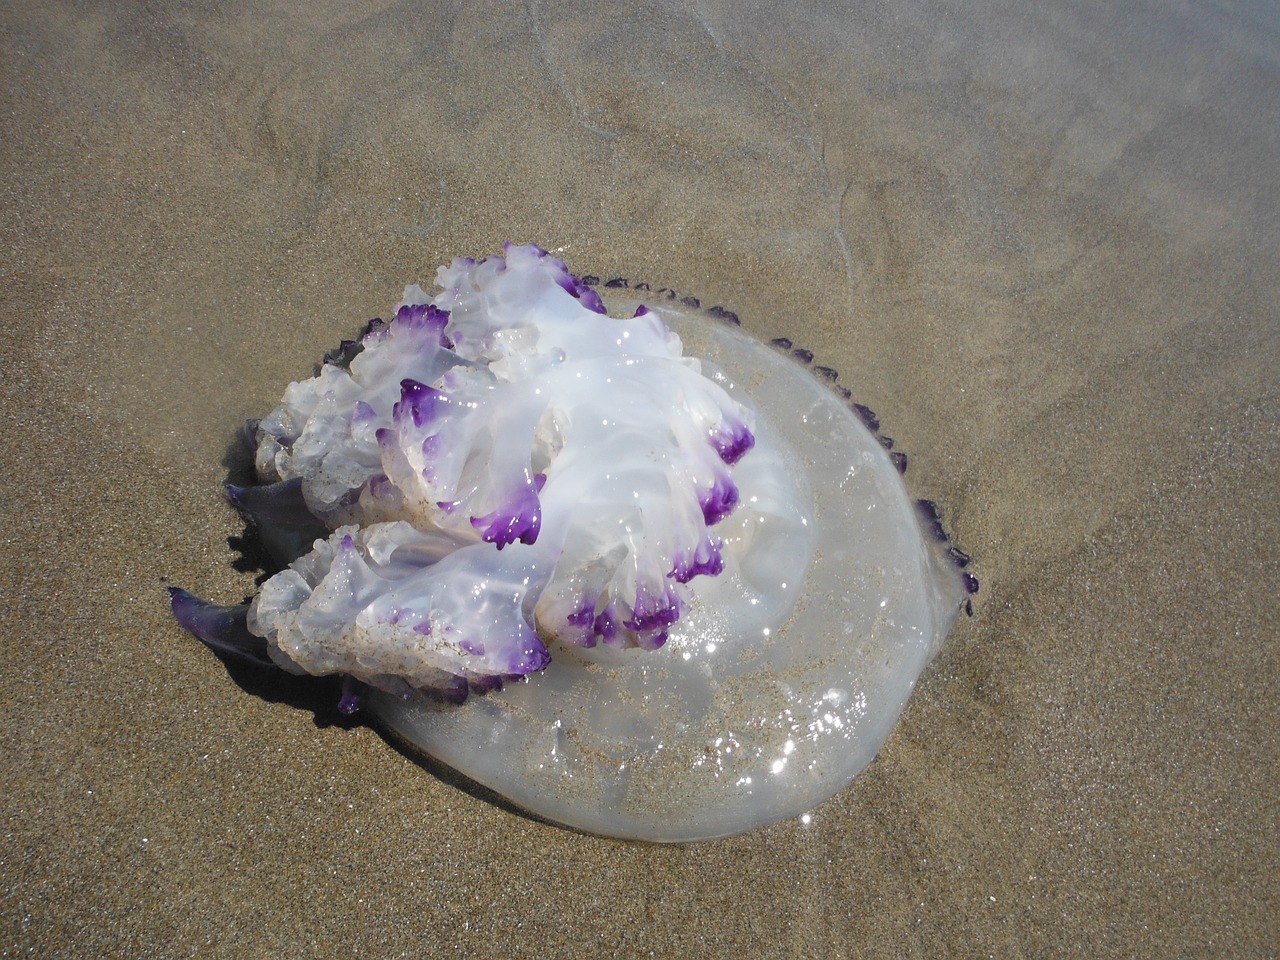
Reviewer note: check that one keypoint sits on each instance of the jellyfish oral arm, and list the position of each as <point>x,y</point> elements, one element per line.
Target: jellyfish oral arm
<point>498,468</point>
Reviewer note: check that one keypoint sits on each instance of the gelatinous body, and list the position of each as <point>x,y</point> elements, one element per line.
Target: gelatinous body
<point>752,712</point>
<point>687,598</point>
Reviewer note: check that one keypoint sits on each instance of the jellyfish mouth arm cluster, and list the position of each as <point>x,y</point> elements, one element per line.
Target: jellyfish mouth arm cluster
<point>498,467</point>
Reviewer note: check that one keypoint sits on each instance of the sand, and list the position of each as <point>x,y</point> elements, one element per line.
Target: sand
<point>1040,241</point>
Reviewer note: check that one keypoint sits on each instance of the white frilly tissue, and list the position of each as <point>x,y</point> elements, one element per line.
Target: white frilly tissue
<point>503,465</point>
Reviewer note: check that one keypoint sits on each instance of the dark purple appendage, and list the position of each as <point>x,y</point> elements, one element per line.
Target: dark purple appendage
<point>826,373</point>
<point>287,528</point>
<point>221,629</point>
<point>451,689</point>
<point>520,520</point>
<point>424,315</point>
<point>374,328</point>
<point>932,520</point>
<point>529,657</point>
<point>970,587</point>
<point>581,291</point>
<point>249,434</point>
<point>280,504</point>
<point>606,624</point>
<point>705,560</point>
<point>352,695</point>
<point>482,683</point>
<point>652,616</point>
<point>732,440</point>
<point>584,616</point>
<point>584,621</point>
<point>866,415</point>
<point>380,487</point>
<point>344,354</point>
<point>419,401</point>
<point>718,502</point>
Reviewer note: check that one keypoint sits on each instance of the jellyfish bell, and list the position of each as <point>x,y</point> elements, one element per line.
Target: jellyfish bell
<point>687,597</point>
<point>785,676</point>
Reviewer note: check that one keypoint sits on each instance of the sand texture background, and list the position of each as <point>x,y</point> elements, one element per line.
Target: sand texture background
<point>1040,240</point>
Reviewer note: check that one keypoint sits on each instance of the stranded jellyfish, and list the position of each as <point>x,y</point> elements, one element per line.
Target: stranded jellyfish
<point>641,575</point>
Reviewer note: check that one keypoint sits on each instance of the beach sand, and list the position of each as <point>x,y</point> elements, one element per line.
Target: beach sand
<point>1041,241</point>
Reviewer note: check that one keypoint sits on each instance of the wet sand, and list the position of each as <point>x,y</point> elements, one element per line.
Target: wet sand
<point>1042,244</point>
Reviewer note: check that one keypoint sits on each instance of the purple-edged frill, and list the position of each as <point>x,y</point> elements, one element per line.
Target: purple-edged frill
<point>498,466</point>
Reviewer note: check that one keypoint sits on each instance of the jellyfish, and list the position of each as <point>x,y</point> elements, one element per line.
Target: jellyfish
<point>636,572</point>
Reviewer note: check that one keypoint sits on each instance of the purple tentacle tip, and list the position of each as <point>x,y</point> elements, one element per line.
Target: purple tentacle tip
<point>521,520</point>
<point>718,502</point>
<point>275,503</point>
<point>352,696</point>
<point>732,440</point>
<point>222,629</point>
<point>419,401</point>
